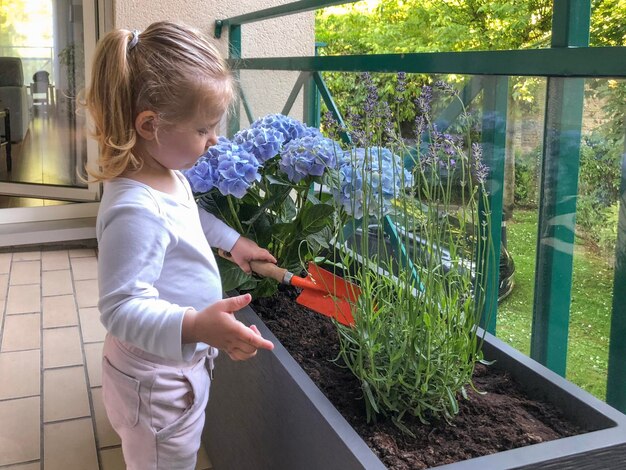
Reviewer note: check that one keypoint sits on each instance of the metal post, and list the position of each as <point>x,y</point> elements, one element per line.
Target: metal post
<point>234,52</point>
<point>312,107</point>
<point>495,102</point>
<point>616,381</point>
<point>559,189</point>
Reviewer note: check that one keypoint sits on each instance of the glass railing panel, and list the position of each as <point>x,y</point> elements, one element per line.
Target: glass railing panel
<point>590,254</point>
<point>597,210</point>
<point>525,130</point>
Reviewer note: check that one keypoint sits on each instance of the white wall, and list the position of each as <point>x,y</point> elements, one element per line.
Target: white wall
<point>293,35</point>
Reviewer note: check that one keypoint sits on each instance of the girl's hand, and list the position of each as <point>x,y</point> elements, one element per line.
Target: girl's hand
<point>216,325</point>
<point>245,250</point>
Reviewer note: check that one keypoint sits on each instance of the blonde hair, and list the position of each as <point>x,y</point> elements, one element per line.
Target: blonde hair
<point>169,69</point>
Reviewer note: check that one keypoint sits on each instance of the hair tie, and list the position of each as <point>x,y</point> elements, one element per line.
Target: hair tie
<point>135,39</point>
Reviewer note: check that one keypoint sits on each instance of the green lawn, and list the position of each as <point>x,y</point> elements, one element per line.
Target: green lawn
<point>590,309</point>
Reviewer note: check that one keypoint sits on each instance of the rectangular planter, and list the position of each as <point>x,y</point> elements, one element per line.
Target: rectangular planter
<point>267,414</point>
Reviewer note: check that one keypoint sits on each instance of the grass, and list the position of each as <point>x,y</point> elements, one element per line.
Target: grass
<point>590,310</point>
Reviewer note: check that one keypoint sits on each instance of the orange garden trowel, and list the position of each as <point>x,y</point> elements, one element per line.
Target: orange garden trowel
<point>322,291</point>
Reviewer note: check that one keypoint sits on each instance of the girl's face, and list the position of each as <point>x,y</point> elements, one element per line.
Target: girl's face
<point>179,147</point>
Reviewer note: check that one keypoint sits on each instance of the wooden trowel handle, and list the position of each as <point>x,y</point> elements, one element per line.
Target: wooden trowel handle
<point>263,268</point>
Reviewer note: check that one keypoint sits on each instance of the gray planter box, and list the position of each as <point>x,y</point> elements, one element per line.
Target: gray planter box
<point>267,414</point>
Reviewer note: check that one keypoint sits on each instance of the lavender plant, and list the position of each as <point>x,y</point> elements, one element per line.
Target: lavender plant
<point>260,183</point>
<point>416,253</point>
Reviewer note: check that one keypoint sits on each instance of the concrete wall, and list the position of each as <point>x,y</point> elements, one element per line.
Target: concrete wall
<point>293,35</point>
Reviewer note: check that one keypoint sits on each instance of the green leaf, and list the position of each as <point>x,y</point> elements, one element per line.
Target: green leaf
<point>265,288</point>
<point>314,218</point>
<point>319,240</point>
<point>282,231</point>
<point>369,395</point>
<point>232,276</point>
<point>277,181</point>
<point>274,201</point>
<point>215,203</point>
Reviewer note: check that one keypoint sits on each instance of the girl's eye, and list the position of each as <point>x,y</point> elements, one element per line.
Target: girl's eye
<point>203,131</point>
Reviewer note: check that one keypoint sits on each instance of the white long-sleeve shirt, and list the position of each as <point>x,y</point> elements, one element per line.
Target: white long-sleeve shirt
<point>155,262</point>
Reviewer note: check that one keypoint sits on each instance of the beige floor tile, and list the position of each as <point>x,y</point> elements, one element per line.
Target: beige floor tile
<point>21,332</point>
<point>70,445</point>
<point>82,252</point>
<point>93,355</point>
<point>26,466</point>
<point>56,282</point>
<point>20,429</point>
<point>25,272</point>
<point>24,299</point>
<point>20,373</point>
<point>54,260</point>
<point>90,325</point>
<point>61,347</point>
<point>112,459</point>
<point>86,293</point>
<point>59,310</point>
<point>107,437</point>
<point>5,262</point>
<point>26,256</point>
<point>4,284</point>
<point>64,394</point>
<point>203,462</point>
<point>84,268</point>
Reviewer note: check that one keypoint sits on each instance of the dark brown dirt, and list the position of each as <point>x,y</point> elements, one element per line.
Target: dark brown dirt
<point>500,419</point>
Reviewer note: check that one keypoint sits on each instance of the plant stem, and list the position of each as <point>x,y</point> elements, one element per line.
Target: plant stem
<point>234,214</point>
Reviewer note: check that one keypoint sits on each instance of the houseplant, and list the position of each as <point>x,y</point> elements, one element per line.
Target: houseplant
<point>280,419</point>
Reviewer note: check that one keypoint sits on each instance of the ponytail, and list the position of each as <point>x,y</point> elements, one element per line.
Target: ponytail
<point>110,102</point>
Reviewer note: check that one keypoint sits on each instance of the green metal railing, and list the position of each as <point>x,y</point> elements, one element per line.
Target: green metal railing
<point>565,65</point>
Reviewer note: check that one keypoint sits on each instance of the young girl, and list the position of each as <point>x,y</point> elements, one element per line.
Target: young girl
<point>156,99</point>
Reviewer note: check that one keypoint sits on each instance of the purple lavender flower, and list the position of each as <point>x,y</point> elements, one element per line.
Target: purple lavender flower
<point>479,169</point>
<point>400,87</point>
<point>446,87</point>
<point>423,101</point>
<point>420,126</point>
<point>372,95</point>
<point>308,156</point>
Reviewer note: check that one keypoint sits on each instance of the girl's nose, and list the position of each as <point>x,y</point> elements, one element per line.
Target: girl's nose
<point>212,140</point>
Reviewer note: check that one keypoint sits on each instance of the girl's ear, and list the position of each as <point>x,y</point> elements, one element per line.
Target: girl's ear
<point>146,124</point>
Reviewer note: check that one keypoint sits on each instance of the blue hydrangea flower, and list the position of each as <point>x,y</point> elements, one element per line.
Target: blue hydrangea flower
<point>308,155</point>
<point>263,142</point>
<point>367,174</point>
<point>227,166</point>
<point>289,127</point>
<point>202,176</point>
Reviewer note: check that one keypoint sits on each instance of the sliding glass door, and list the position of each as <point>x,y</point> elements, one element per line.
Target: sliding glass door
<point>44,48</point>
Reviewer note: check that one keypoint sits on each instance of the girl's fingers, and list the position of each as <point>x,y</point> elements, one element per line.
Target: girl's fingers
<point>238,354</point>
<point>232,304</point>
<point>255,339</point>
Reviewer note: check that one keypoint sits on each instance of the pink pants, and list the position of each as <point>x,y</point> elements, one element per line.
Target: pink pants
<point>157,408</point>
